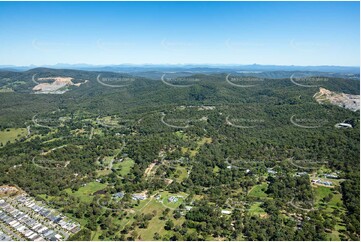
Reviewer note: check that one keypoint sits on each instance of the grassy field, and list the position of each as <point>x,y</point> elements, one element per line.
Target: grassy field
<point>12,134</point>
<point>204,140</point>
<point>110,121</point>
<point>321,192</point>
<point>216,169</point>
<point>85,194</point>
<point>104,163</point>
<point>336,200</point>
<point>182,173</point>
<point>193,152</point>
<point>197,197</point>
<point>255,209</point>
<point>98,132</point>
<point>258,191</point>
<point>146,206</point>
<point>95,235</point>
<point>335,203</point>
<point>107,160</point>
<point>124,166</point>
<point>52,140</point>
<point>172,205</point>
<point>156,224</point>
<point>105,172</point>
<point>6,89</point>
<point>181,135</point>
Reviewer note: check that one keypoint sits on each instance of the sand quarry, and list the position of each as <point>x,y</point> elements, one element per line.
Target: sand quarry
<point>348,101</point>
<point>57,84</point>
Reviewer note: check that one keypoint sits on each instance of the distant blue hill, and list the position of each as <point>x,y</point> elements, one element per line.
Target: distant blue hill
<point>189,67</point>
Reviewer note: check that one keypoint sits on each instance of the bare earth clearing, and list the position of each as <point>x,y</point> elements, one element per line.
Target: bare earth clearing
<point>343,100</point>
<point>56,85</point>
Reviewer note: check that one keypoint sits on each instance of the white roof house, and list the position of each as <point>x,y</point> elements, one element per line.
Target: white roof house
<point>343,125</point>
<point>226,212</point>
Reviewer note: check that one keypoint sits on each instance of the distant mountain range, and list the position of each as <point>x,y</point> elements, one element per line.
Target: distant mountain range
<point>189,67</point>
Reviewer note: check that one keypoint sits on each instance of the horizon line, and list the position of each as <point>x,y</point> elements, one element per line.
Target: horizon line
<point>174,64</point>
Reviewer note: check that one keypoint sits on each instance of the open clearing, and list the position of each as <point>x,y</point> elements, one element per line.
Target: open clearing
<point>85,193</point>
<point>156,224</point>
<point>172,205</point>
<point>342,100</point>
<point>256,209</point>
<point>193,151</point>
<point>124,166</point>
<point>11,134</point>
<point>258,191</point>
<point>181,173</point>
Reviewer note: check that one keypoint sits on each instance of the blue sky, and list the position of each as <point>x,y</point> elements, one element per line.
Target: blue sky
<point>280,33</point>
